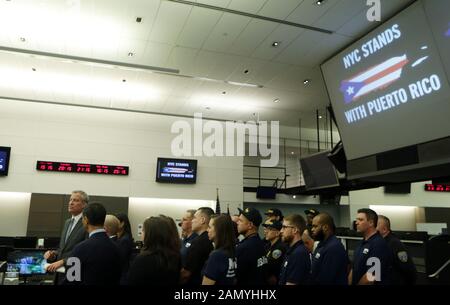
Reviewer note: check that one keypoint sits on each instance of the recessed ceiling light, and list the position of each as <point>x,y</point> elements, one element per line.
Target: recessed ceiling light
<point>224,92</point>
<point>22,39</point>
<point>138,19</point>
<point>306,81</point>
<point>320,2</point>
<point>277,100</point>
<point>34,69</point>
<point>124,80</point>
<point>276,44</point>
<point>294,196</point>
<point>292,152</point>
<point>320,117</point>
<point>130,54</point>
<point>207,108</point>
<point>246,71</point>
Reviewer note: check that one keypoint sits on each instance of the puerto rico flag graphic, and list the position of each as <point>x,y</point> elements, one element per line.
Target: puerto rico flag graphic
<point>375,78</point>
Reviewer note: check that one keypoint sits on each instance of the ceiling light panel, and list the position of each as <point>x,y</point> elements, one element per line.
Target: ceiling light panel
<point>72,22</point>
<point>57,78</point>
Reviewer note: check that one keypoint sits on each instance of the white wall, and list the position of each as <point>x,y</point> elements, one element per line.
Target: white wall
<point>14,213</point>
<point>73,134</point>
<point>401,217</point>
<point>142,208</point>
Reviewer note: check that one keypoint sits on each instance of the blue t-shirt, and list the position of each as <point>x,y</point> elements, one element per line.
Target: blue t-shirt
<point>296,266</point>
<point>221,267</point>
<point>374,247</point>
<point>185,244</point>
<point>329,263</point>
<point>252,261</point>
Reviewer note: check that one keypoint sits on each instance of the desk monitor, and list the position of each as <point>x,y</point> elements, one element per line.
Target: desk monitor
<point>26,261</point>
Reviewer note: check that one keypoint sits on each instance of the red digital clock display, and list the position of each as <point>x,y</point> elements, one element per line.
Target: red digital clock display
<point>67,167</point>
<point>437,187</point>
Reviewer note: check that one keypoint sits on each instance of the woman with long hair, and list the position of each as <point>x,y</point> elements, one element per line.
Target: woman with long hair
<point>124,226</point>
<point>220,268</point>
<point>159,262</point>
<point>125,243</point>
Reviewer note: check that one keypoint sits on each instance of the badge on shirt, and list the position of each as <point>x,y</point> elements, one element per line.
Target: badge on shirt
<point>317,255</point>
<point>402,256</point>
<point>188,245</point>
<point>276,254</point>
<point>365,251</point>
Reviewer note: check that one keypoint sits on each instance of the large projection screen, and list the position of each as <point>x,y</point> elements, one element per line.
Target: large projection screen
<point>389,89</point>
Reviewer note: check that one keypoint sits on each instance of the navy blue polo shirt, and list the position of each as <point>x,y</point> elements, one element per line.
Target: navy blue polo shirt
<point>296,266</point>
<point>377,247</point>
<point>221,267</point>
<point>330,263</point>
<point>185,244</point>
<point>251,261</point>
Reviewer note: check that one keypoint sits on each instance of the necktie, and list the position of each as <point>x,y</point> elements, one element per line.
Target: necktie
<point>69,229</point>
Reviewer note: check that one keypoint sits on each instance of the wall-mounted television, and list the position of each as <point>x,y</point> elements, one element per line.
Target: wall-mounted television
<point>176,170</point>
<point>318,171</point>
<point>4,160</point>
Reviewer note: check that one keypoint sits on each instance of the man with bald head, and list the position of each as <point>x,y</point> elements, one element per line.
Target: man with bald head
<point>329,260</point>
<point>111,226</point>
<point>403,270</point>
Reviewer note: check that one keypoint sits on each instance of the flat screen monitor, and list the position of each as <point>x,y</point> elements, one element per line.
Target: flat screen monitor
<point>318,171</point>
<point>25,242</point>
<point>27,261</point>
<point>51,242</point>
<point>7,241</point>
<point>176,170</point>
<point>390,89</point>
<point>4,160</point>
<point>398,188</point>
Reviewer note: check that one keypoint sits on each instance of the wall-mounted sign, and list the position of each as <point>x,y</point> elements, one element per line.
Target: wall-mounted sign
<point>67,167</point>
<point>437,187</point>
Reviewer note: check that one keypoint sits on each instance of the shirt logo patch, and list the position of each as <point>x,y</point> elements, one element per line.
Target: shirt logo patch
<point>365,251</point>
<point>276,254</point>
<point>261,261</point>
<point>402,256</point>
<point>188,245</point>
<point>317,255</point>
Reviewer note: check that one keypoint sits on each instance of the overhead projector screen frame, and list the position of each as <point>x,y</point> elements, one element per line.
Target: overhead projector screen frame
<point>400,28</point>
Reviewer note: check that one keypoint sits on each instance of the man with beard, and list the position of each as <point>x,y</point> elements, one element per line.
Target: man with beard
<point>329,260</point>
<point>296,267</point>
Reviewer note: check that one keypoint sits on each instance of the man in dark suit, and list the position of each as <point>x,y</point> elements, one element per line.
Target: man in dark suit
<point>99,257</point>
<point>73,233</point>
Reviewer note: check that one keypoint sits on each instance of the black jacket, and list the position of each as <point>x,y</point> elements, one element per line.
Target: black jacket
<point>100,261</point>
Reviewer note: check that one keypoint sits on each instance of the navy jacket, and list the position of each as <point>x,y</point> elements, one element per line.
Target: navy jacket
<point>100,261</point>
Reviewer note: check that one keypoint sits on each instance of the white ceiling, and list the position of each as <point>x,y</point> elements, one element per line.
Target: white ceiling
<point>197,41</point>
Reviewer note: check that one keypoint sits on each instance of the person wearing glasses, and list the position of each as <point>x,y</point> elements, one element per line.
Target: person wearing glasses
<point>296,267</point>
<point>275,250</point>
